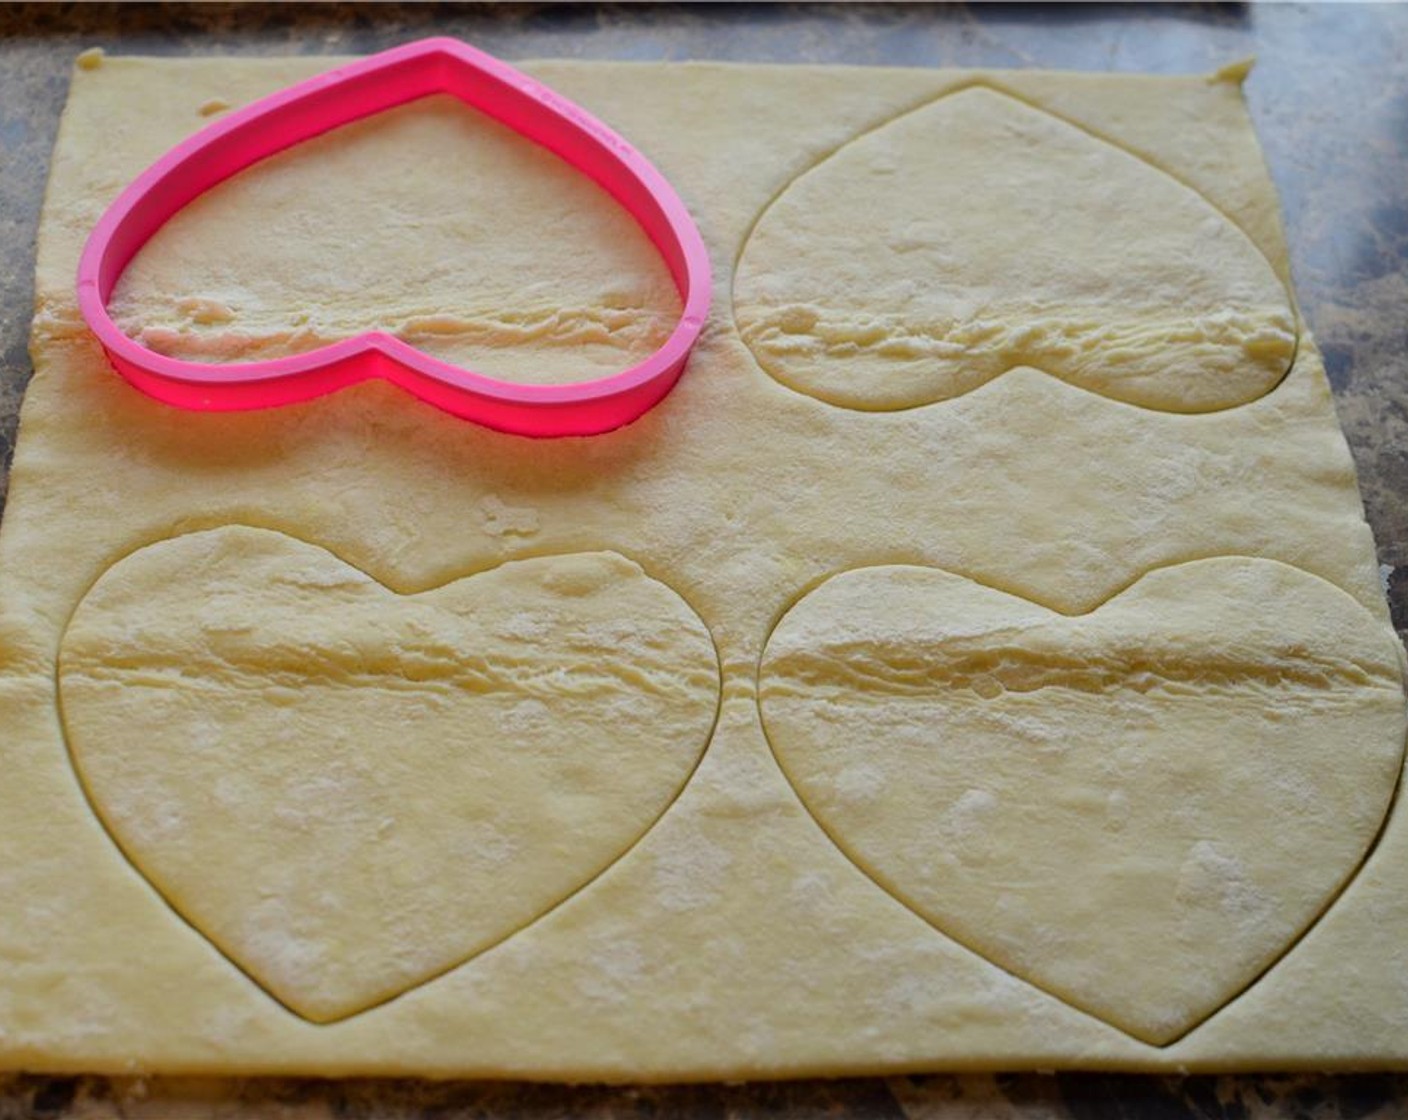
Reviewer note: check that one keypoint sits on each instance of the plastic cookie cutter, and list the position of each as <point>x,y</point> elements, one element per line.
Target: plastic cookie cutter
<point>340,97</point>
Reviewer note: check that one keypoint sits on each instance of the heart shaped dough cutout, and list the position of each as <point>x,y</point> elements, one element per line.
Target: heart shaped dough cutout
<point>977,234</point>
<point>476,246</point>
<point>1138,809</point>
<point>350,791</point>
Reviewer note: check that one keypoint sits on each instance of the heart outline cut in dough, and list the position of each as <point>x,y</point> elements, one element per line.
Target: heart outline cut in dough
<point>980,233</point>
<point>351,93</point>
<point>1139,809</point>
<point>237,705</point>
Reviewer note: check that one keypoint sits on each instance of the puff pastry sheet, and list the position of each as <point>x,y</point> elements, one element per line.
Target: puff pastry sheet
<point>978,661</point>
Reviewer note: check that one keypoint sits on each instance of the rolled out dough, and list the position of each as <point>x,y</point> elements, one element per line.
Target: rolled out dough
<point>977,661</point>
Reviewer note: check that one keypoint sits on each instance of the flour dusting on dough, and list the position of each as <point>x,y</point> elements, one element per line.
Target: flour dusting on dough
<point>1213,878</point>
<point>613,969</point>
<point>691,869</point>
<point>860,782</point>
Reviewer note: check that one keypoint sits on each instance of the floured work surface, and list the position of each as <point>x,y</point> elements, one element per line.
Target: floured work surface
<point>977,661</point>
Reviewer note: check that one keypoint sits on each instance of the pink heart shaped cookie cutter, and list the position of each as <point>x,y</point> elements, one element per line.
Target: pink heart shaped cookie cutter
<point>349,93</point>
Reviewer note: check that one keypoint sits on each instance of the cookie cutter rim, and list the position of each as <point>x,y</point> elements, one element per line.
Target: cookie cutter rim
<point>353,92</point>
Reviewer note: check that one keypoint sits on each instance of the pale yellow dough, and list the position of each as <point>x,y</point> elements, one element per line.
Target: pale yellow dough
<point>1060,793</point>
<point>416,205</point>
<point>979,660</point>
<point>977,233</point>
<point>415,780</point>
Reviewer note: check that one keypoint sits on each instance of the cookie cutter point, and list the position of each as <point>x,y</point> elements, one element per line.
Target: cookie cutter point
<point>349,93</point>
